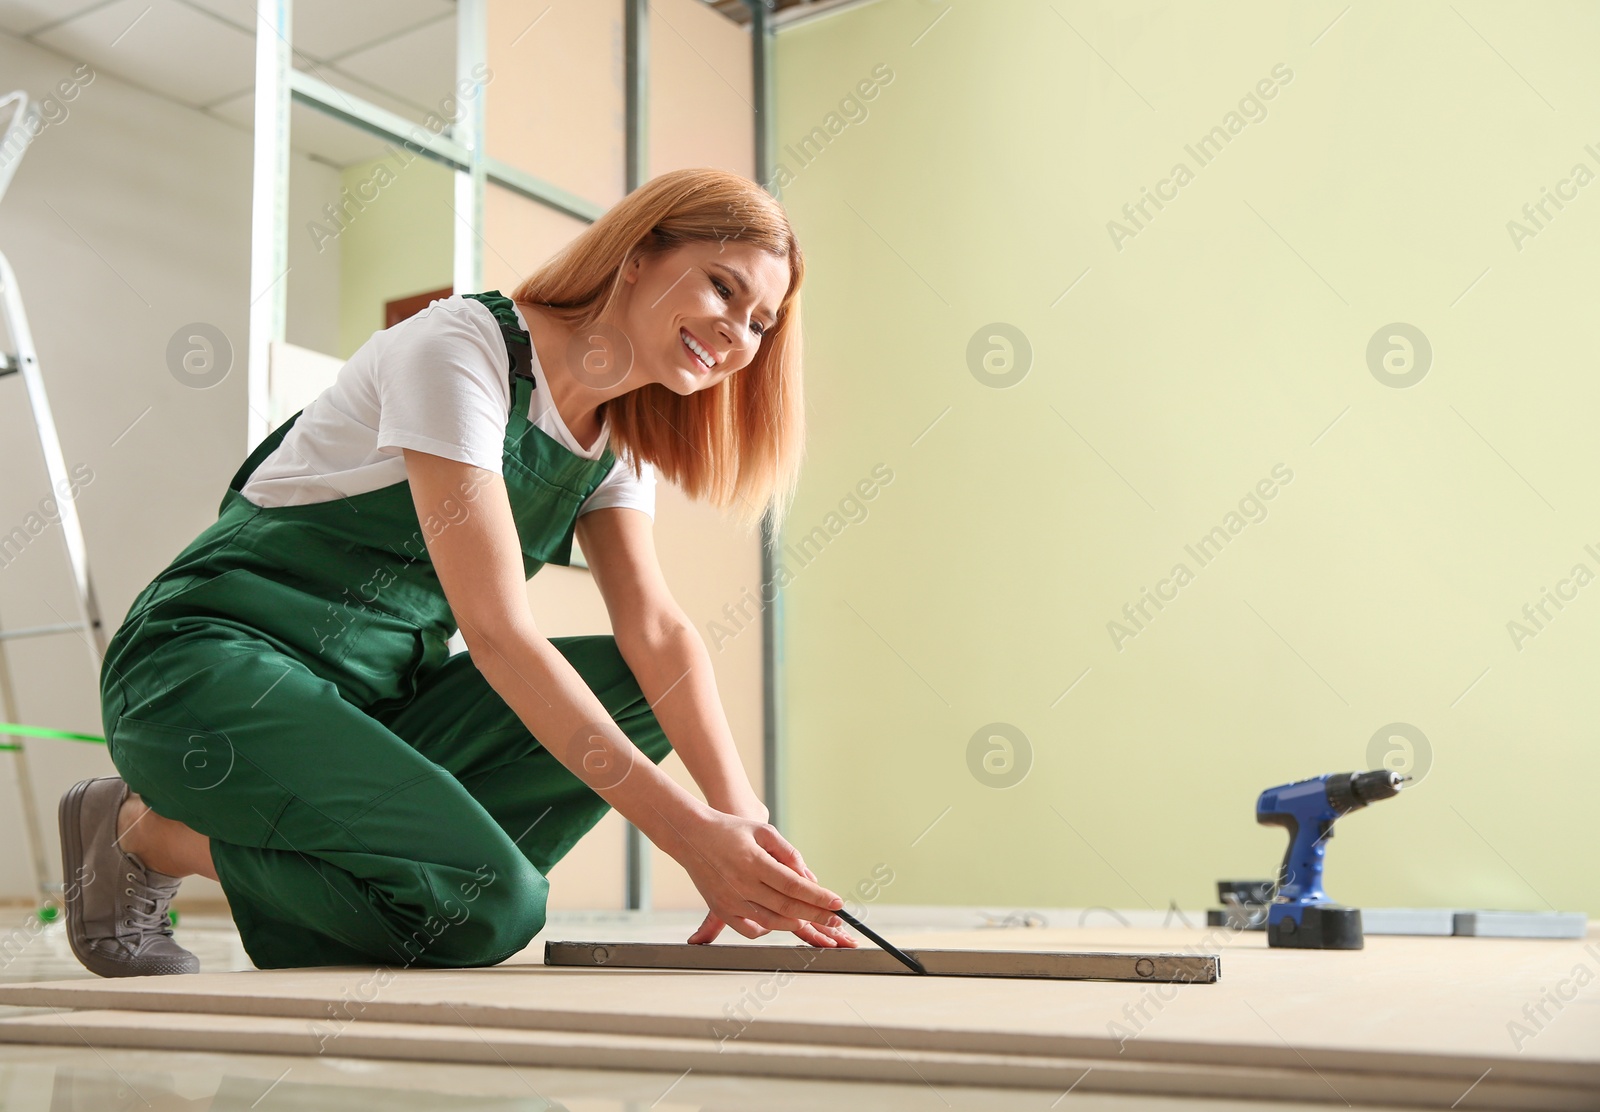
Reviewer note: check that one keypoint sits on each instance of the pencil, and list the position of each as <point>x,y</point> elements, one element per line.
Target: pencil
<point>899,955</point>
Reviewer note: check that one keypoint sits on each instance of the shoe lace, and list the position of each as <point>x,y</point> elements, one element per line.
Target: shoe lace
<point>149,907</point>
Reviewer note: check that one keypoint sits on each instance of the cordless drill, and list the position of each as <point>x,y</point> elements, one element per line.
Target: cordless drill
<point>1302,915</point>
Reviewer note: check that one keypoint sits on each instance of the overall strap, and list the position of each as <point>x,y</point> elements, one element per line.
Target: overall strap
<point>519,345</point>
<point>262,450</point>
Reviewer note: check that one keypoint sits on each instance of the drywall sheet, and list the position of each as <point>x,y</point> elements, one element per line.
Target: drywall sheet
<point>1451,1011</point>
<point>867,1062</point>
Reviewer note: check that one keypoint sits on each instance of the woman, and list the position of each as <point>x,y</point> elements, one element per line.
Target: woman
<point>281,703</point>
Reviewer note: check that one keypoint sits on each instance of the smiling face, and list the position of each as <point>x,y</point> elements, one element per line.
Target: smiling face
<point>717,296</point>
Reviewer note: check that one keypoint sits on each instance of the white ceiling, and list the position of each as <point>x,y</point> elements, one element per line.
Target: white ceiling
<point>399,54</point>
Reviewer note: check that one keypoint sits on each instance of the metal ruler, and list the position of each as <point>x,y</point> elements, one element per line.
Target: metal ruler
<point>1202,969</point>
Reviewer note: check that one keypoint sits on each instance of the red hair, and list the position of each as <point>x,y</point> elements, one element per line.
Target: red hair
<point>737,444</point>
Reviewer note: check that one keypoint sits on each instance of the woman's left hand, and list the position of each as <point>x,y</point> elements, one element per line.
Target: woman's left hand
<point>810,933</point>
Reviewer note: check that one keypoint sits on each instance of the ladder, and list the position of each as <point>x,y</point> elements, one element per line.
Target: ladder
<point>24,360</point>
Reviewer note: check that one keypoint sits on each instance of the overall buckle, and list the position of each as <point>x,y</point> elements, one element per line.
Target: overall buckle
<point>519,346</point>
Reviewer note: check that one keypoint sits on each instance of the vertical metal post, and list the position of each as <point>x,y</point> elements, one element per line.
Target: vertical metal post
<point>472,50</point>
<point>269,210</point>
<point>636,20</point>
<point>636,82</point>
<point>772,613</point>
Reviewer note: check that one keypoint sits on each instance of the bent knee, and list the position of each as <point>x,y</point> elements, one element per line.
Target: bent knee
<point>483,919</point>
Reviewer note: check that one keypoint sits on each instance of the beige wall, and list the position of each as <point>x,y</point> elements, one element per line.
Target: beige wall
<point>519,235</point>
<point>555,109</point>
<point>554,106</point>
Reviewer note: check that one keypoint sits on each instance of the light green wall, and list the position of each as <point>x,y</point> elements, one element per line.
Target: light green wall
<point>1227,337</point>
<point>396,238</point>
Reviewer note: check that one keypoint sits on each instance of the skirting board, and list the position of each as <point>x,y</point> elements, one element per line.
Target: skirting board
<point>1437,921</point>
<point>1444,922</point>
<point>1521,924</point>
<point>1042,964</point>
<point>872,1061</point>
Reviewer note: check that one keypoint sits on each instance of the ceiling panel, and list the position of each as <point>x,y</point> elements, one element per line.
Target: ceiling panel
<point>418,66</point>
<point>22,17</point>
<point>159,44</point>
<point>333,30</point>
<point>328,28</point>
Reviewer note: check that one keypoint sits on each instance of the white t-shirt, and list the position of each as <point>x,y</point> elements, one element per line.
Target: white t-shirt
<point>437,382</point>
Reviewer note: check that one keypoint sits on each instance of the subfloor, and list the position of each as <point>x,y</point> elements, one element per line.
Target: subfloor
<point>1293,1030</point>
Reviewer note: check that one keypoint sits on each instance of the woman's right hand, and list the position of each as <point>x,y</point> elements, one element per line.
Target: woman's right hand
<point>753,880</point>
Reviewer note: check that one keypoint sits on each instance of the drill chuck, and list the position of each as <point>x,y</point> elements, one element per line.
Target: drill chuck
<point>1350,791</point>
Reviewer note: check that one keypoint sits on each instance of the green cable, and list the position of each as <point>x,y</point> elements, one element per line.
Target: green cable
<point>39,731</point>
<point>49,914</point>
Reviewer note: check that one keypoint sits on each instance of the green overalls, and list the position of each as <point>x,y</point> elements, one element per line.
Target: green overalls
<point>284,687</point>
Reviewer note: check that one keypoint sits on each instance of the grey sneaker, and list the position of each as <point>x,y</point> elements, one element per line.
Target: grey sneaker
<point>116,906</point>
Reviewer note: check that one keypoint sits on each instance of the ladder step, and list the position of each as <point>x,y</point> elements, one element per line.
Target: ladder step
<point>39,631</point>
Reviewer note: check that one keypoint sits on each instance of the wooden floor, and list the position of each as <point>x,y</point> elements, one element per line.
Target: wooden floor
<point>1419,1022</point>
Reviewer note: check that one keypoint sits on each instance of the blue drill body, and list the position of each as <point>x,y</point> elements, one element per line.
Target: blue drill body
<point>1302,915</point>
